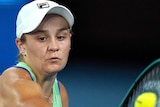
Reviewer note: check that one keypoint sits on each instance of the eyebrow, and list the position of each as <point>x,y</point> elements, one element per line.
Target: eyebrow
<point>43,31</point>
<point>64,28</point>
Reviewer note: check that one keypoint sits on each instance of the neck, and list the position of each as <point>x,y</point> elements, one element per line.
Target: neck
<point>47,83</point>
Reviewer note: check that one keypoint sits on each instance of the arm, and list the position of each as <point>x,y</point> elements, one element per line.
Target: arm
<point>64,95</point>
<point>18,90</point>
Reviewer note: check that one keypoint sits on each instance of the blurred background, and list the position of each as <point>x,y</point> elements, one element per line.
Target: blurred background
<point>114,40</point>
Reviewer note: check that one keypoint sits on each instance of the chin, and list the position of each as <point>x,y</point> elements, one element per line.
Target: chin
<point>54,70</point>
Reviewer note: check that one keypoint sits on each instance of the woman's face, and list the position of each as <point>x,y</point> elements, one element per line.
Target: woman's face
<point>47,48</point>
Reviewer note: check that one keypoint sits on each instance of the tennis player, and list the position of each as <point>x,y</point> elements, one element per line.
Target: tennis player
<point>43,30</point>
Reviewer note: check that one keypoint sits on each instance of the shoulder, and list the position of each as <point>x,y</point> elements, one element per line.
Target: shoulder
<point>15,73</point>
<point>64,95</point>
<point>16,84</point>
<point>17,80</point>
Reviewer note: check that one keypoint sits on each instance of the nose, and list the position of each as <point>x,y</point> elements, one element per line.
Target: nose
<point>53,45</point>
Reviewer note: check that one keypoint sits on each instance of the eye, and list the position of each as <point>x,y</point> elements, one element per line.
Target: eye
<point>63,35</point>
<point>61,38</point>
<point>42,39</point>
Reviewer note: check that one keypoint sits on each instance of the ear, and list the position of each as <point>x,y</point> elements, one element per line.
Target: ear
<point>19,44</point>
<point>70,34</point>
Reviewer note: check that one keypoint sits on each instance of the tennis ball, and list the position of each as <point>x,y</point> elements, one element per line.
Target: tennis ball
<point>146,99</point>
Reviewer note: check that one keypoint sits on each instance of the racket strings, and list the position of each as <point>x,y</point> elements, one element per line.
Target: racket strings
<point>150,82</point>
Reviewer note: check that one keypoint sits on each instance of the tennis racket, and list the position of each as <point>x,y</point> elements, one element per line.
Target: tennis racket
<point>145,91</point>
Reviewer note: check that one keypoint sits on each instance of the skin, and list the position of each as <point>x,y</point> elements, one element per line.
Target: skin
<point>46,51</point>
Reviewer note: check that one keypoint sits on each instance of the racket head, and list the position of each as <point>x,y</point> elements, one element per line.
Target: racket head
<point>147,82</point>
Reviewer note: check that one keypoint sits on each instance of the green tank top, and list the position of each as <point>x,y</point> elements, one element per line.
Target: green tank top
<point>55,89</point>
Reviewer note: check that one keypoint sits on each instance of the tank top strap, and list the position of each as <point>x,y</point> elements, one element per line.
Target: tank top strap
<point>56,97</point>
<point>28,69</point>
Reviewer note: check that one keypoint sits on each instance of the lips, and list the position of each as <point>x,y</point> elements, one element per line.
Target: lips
<point>54,59</point>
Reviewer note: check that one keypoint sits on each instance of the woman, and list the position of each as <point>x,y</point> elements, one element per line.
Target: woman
<point>44,41</point>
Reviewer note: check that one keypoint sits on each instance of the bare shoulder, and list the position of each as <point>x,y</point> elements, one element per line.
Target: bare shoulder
<point>18,89</point>
<point>16,78</point>
<point>64,95</point>
<point>15,73</point>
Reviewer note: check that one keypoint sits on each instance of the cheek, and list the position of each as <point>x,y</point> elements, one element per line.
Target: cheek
<point>35,50</point>
<point>66,50</point>
<point>65,55</point>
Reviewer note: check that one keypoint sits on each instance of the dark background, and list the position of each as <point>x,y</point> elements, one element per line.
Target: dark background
<point>122,30</point>
<point>113,41</point>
